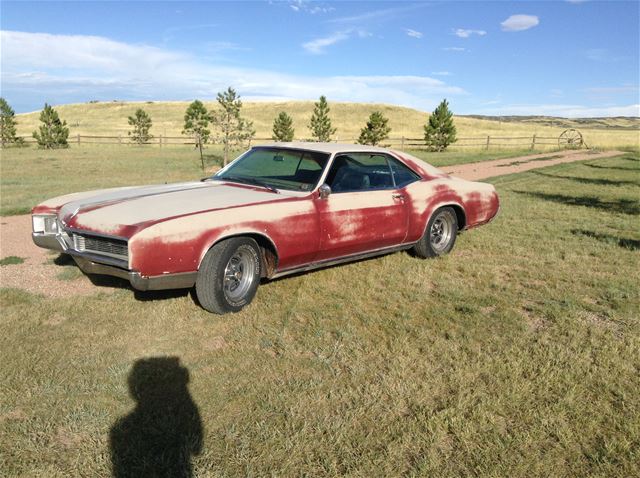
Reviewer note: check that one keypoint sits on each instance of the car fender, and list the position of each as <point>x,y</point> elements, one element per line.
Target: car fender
<point>266,243</point>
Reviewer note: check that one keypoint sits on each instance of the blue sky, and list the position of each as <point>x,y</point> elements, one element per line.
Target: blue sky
<point>564,58</point>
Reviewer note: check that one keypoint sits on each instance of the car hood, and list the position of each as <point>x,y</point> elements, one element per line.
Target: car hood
<point>122,212</point>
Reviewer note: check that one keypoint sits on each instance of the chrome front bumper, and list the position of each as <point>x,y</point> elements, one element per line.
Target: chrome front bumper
<point>95,264</point>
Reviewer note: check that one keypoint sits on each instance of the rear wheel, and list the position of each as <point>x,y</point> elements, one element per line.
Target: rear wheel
<point>440,234</point>
<point>229,275</point>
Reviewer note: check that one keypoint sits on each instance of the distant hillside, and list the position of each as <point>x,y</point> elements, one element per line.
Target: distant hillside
<point>616,122</point>
<point>110,118</point>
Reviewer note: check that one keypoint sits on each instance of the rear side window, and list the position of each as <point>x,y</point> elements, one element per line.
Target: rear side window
<point>368,171</point>
<point>401,174</point>
<point>359,172</point>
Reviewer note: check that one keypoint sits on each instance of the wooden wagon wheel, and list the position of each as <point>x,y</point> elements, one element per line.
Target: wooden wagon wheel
<point>571,138</point>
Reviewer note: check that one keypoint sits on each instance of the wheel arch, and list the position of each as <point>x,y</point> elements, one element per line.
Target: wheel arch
<point>461,215</point>
<point>268,250</point>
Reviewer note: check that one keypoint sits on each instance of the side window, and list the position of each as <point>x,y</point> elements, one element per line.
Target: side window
<point>401,174</point>
<point>359,172</point>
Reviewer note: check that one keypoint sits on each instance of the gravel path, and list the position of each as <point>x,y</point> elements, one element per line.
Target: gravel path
<point>500,167</point>
<point>39,273</point>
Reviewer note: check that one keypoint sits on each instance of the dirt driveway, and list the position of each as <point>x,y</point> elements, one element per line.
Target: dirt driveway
<point>40,274</point>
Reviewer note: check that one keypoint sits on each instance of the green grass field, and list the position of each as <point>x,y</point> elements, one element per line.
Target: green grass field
<point>517,355</point>
<point>110,118</point>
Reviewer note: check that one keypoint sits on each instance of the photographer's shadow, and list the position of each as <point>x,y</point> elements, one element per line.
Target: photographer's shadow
<point>159,437</point>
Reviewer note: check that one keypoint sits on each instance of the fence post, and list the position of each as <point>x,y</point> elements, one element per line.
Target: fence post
<point>533,142</point>
<point>402,143</point>
<point>160,140</point>
<point>119,139</point>
<point>78,138</point>
<point>488,140</point>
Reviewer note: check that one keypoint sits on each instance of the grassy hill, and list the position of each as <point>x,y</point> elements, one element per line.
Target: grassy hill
<point>110,118</point>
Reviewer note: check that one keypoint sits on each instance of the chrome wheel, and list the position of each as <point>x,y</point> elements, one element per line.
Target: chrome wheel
<point>239,274</point>
<point>442,231</point>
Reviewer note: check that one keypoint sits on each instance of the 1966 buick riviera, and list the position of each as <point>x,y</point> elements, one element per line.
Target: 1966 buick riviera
<point>277,209</point>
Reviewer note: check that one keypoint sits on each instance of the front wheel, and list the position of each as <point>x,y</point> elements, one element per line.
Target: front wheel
<point>229,275</point>
<point>440,234</point>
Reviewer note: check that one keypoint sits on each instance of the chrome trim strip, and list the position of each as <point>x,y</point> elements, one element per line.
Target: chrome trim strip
<point>47,241</point>
<point>111,261</point>
<point>182,280</point>
<point>84,232</point>
<point>351,258</point>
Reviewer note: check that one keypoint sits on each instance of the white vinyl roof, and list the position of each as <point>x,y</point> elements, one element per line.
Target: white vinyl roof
<point>327,147</point>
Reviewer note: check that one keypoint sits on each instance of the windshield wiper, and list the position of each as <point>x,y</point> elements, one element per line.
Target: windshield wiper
<point>244,180</point>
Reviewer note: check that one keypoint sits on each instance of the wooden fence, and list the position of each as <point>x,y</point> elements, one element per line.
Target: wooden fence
<point>478,142</point>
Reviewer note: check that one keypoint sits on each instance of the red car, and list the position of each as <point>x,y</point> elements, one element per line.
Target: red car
<point>277,209</point>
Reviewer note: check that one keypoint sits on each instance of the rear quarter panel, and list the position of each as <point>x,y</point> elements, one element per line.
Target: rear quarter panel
<point>479,202</point>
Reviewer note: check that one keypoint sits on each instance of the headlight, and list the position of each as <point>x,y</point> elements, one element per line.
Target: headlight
<point>46,224</point>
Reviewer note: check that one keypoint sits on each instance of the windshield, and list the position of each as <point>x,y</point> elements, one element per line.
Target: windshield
<point>280,168</point>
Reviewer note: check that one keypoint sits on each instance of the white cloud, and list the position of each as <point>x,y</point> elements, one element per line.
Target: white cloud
<point>464,33</point>
<point>454,48</point>
<point>318,45</point>
<point>441,73</point>
<point>76,68</point>
<point>517,23</point>
<point>309,7</point>
<point>413,33</point>
<point>566,111</point>
<point>375,15</point>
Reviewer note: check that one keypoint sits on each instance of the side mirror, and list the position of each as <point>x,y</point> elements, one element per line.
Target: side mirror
<point>324,191</point>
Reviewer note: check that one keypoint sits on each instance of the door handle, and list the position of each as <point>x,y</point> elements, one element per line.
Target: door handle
<point>398,196</point>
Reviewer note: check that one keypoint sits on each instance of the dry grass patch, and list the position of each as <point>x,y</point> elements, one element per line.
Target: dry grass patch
<point>110,118</point>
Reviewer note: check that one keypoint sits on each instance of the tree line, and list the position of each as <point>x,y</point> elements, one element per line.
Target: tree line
<point>231,129</point>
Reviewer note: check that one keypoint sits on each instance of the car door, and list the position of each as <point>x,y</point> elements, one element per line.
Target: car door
<point>365,210</point>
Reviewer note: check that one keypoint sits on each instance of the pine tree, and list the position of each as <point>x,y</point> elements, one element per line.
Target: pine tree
<point>196,123</point>
<point>233,128</point>
<point>440,131</point>
<point>320,124</point>
<point>283,128</point>
<point>8,124</point>
<point>53,132</point>
<point>376,130</point>
<point>141,123</point>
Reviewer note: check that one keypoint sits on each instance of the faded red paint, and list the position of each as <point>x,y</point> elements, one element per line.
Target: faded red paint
<point>303,228</point>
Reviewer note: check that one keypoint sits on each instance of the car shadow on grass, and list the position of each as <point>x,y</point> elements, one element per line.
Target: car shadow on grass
<point>596,181</point>
<point>164,430</point>
<point>110,282</point>
<point>622,206</point>
<point>625,243</point>
<point>617,168</point>
<point>143,296</point>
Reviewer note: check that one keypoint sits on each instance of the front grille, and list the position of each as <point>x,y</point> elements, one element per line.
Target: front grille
<point>101,245</point>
